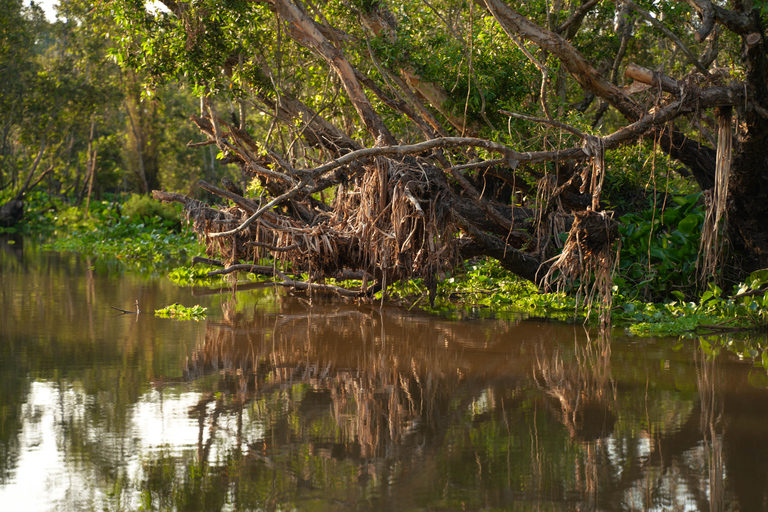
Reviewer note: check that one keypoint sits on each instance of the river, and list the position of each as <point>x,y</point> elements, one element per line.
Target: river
<point>281,402</point>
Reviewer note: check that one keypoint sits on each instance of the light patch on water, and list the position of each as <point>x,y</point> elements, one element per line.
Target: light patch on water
<point>162,420</point>
<point>38,479</point>
<point>46,477</point>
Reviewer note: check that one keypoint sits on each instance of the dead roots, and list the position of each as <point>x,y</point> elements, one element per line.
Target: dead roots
<point>588,253</point>
<point>393,224</point>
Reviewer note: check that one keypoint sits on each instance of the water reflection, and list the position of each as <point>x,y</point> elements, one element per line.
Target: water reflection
<point>384,409</point>
<point>275,403</point>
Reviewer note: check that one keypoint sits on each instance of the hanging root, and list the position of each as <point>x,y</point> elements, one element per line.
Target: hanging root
<point>710,249</point>
<point>394,224</point>
<point>587,254</point>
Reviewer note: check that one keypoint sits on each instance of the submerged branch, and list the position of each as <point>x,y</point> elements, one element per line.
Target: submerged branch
<point>286,281</point>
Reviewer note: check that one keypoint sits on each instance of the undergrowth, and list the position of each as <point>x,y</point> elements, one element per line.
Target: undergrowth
<point>144,239</point>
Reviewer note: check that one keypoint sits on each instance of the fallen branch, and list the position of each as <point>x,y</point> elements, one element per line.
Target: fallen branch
<point>303,285</point>
<point>254,269</point>
<point>243,202</point>
<point>278,200</point>
<point>207,261</point>
<point>287,281</point>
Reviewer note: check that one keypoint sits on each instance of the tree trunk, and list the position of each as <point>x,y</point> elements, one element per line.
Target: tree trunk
<point>13,211</point>
<point>747,224</point>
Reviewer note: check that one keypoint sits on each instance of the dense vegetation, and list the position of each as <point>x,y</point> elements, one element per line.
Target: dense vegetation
<point>436,148</point>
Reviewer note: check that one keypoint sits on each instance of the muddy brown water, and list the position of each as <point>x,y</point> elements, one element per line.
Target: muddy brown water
<point>276,402</point>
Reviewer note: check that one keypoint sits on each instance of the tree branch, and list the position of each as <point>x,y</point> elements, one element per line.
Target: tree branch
<point>278,200</point>
<point>577,16</point>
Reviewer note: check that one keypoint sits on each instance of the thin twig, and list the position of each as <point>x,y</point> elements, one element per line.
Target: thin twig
<point>552,122</point>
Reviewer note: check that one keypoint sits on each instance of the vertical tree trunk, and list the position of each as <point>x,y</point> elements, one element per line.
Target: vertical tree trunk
<point>140,160</point>
<point>92,150</point>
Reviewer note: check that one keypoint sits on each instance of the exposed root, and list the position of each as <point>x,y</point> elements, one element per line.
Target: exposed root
<point>393,224</point>
<point>551,217</point>
<point>588,254</point>
<point>711,246</point>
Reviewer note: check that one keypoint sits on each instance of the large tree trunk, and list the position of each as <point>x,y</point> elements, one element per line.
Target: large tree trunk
<point>747,224</point>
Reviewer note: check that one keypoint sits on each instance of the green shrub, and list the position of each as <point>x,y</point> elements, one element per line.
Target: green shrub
<point>659,249</point>
<point>152,212</point>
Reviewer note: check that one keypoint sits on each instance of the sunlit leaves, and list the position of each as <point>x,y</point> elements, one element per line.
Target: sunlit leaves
<point>202,47</point>
<point>179,312</point>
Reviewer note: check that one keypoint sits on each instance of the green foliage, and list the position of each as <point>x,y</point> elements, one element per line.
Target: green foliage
<point>749,304</point>
<point>143,243</point>
<point>486,285</point>
<point>150,211</point>
<point>179,312</point>
<point>675,318</point>
<point>746,309</point>
<point>659,249</point>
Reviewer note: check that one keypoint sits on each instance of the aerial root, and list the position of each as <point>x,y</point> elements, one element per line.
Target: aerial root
<point>587,254</point>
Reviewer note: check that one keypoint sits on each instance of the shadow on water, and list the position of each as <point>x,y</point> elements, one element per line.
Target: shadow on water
<point>275,403</point>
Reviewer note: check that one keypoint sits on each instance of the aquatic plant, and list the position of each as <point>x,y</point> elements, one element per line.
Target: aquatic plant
<point>660,248</point>
<point>179,312</point>
<point>138,241</point>
<point>189,276</point>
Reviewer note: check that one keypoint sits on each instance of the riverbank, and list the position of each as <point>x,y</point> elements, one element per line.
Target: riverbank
<point>148,237</point>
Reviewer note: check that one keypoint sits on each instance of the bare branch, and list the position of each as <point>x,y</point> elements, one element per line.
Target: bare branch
<point>305,32</point>
<point>191,144</point>
<point>206,261</point>
<point>552,122</point>
<point>278,200</point>
<point>244,203</point>
<point>707,15</point>
<point>739,22</point>
<point>577,16</point>
<point>653,78</point>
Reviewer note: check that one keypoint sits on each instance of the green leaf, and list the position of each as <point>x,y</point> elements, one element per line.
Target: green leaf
<point>689,224</point>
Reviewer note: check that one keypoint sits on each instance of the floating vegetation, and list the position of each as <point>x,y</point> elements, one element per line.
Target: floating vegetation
<point>179,312</point>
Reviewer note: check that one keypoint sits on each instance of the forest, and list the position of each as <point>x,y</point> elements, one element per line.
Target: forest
<point>611,148</point>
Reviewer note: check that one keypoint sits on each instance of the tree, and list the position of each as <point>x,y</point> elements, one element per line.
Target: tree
<point>59,99</point>
<point>401,138</point>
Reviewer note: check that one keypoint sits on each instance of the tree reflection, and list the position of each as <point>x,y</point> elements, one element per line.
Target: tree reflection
<point>279,403</point>
<point>381,408</point>
<point>584,394</point>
